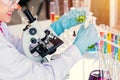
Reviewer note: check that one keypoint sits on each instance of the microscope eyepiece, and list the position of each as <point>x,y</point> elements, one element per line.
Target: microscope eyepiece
<point>29,16</point>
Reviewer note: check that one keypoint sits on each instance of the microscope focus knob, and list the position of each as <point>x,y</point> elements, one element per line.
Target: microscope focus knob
<point>33,40</point>
<point>32,31</point>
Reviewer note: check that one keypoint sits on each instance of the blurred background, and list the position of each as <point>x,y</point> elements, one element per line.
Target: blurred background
<point>35,6</point>
<point>106,11</point>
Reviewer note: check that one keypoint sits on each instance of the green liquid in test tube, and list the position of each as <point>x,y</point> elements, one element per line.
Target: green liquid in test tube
<point>119,54</point>
<point>116,53</point>
<point>105,47</point>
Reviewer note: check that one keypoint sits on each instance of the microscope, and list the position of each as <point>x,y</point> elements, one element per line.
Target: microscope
<point>37,43</point>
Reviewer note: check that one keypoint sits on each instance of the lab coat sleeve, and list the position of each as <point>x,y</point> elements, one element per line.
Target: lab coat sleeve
<point>62,65</point>
<point>14,66</point>
<point>15,40</point>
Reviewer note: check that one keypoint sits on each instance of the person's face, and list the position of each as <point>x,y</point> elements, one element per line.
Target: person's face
<point>6,9</point>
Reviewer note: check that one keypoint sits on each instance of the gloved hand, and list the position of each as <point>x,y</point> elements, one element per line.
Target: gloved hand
<point>86,37</point>
<point>68,20</point>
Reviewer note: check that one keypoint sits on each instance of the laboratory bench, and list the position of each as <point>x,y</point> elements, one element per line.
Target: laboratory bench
<point>81,70</point>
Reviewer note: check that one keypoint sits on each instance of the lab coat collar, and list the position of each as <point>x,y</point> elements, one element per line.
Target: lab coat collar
<point>1,30</point>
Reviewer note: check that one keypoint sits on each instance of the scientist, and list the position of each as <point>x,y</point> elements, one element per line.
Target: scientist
<point>14,65</point>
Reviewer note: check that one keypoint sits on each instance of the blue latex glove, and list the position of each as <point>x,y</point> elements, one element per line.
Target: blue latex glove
<point>68,20</point>
<point>86,37</point>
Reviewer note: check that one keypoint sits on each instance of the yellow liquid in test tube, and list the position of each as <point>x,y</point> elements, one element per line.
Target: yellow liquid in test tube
<point>56,17</point>
<point>109,36</point>
<point>109,49</point>
<point>119,54</point>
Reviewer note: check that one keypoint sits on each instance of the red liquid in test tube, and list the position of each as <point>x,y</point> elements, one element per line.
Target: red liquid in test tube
<point>101,42</point>
<point>52,16</point>
<point>102,34</point>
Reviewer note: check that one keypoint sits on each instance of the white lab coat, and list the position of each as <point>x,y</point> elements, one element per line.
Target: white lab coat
<point>14,65</point>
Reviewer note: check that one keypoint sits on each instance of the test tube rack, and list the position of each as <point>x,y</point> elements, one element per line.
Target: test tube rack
<point>111,42</point>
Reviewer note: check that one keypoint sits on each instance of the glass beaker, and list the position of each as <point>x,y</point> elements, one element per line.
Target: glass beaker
<point>103,71</point>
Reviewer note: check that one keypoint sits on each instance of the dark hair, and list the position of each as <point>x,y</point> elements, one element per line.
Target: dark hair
<point>23,2</point>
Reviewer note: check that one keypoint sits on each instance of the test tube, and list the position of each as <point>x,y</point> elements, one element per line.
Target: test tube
<point>73,3</point>
<point>87,4</point>
<point>57,15</point>
<point>109,36</point>
<point>102,33</point>
<point>119,54</point>
<point>116,53</point>
<point>118,38</point>
<point>77,3</point>
<point>52,11</point>
<point>66,6</point>
<point>109,48</point>
<point>105,47</point>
